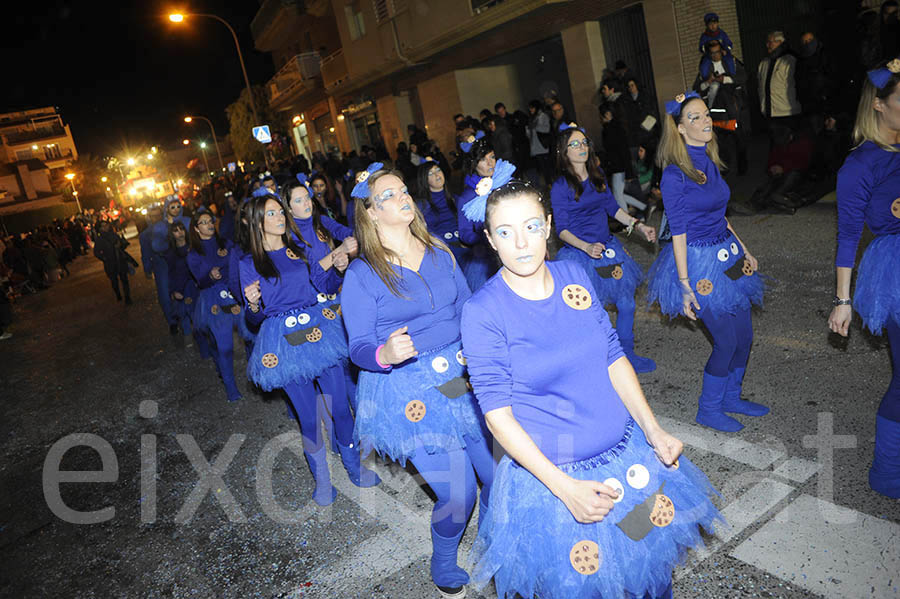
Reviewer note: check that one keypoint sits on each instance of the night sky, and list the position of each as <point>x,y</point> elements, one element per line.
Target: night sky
<point>122,75</point>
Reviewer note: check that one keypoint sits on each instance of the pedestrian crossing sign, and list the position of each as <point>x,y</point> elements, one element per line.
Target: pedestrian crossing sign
<point>262,134</point>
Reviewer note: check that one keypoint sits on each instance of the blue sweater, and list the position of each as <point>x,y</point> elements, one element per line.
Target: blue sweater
<point>431,307</point>
<point>202,264</point>
<point>868,185</point>
<point>694,209</point>
<point>179,273</point>
<point>294,288</point>
<point>545,358</point>
<point>586,219</point>
<point>317,249</point>
<point>439,217</point>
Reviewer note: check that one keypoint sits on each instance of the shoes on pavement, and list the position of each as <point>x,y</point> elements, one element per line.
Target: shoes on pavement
<point>5,336</point>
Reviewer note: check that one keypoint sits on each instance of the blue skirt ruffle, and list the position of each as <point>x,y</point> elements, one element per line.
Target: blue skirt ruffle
<point>425,402</point>
<point>715,265</point>
<point>531,545</point>
<point>213,310</point>
<point>610,290</point>
<point>877,297</point>
<point>478,265</point>
<point>296,346</point>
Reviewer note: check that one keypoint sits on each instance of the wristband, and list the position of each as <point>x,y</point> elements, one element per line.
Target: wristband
<point>841,302</point>
<point>377,361</point>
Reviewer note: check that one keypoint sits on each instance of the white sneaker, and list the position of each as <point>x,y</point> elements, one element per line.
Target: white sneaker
<point>5,336</point>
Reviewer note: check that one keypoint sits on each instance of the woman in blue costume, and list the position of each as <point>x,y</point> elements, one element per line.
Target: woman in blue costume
<point>706,271</point>
<point>438,206</point>
<point>239,249</point>
<point>300,344</point>
<point>591,500</point>
<point>868,193</point>
<point>582,204</point>
<point>217,311</point>
<point>402,302</point>
<point>182,287</point>
<point>479,162</point>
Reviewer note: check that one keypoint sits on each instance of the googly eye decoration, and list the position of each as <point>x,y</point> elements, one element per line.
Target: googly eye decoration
<point>332,296</point>
<point>302,318</point>
<point>440,364</point>
<point>722,255</point>
<point>609,253</point>
<point>734,248</point>
<point>460,358</point>
<point>456,233</point>
<point>448,235</point>
<point>290,322</point>
<point>638,476</point>
<point>616,484</point>
<point>223,294</point>
<point>322,298</point>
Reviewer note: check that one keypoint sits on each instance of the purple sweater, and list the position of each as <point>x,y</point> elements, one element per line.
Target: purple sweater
<point>586,219</point>
<point>544,358</point>
<point>695,209</point>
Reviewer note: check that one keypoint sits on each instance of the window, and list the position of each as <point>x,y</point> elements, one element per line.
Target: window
<point>24,154</point>
<point>355,22</point>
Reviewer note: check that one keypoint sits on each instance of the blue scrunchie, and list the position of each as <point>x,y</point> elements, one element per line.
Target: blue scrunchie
<point>361,189</point>
<point>503,172</point>
<point>673,107</point>
<point>466,146</point>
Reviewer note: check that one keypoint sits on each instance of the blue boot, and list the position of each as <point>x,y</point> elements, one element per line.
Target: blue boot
<point>639,363</point>
<point>709,410</point>
<point>359,474</point>
<point>450,579</point>
<point>226,370</point>
<point>325,493</point>
<point>732,401</point>
<point>884,476</point>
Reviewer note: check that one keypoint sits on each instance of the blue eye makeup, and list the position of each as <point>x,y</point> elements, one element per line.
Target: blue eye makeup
<point>503,232</point>
<point>535,225</point>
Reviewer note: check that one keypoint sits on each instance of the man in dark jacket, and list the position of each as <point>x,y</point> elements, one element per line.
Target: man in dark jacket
<point>501,138</point>
<point>813,81</point>
<point>110,249</point>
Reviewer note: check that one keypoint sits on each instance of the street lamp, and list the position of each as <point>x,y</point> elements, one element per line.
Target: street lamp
<point>189,119</point>
<point>186,142</point>
<point>130,162</point>
<point>71,178</point>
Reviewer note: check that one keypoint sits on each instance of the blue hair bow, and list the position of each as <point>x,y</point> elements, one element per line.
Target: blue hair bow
<point>673,107</point>
<point>882,76</point>
<point>361,189</point>
<point>567,126</point>
<point>261,191</point>
<point>466,146</point>
<point>503,172</point>
<point>304,181</point>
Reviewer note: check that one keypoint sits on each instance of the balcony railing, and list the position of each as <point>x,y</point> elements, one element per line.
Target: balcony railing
<point>334,69</point>
<point>300,70</point>
<point>20,137</point>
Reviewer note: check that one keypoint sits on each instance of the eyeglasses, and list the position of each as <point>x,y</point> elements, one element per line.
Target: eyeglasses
<point>211,221</point>
<point>435,172</point>
<point>582,143</point>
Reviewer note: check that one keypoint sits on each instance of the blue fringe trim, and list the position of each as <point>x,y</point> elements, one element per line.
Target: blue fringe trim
<point>877,296</point>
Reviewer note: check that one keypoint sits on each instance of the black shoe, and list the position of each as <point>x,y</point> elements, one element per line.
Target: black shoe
<point>127,301</point>
<point>118,298</point>
<point>452,592</point>
<point>173,329</point>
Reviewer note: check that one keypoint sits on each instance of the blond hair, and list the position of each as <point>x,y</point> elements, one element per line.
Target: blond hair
<point>673,150</point>
<point>373,251</point>
<point>866,128</point>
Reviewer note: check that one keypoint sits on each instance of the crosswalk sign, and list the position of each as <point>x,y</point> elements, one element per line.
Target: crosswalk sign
<point>262,134</point>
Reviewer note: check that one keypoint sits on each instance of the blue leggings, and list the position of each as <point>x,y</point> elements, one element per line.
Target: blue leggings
<point>890,403</point>
<point>311,406</point>
<point>161,278</point>
<point>451,476</point>
<point>625,318</point>
<point>732,337</point>
<point>222,332</point>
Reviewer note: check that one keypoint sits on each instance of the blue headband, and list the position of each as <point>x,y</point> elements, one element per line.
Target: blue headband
<point>466,146</point>
<point>361,189</point>
<point>567,126</point>
<point>673,107</point>
<point>503,172</point>
<point>881,77</point>
<point>304,181</point>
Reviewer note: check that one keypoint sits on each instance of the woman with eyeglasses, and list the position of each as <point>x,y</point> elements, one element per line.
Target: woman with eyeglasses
<point>217,310</point>
<point>301,342</point>
<point>479,263</point>
<point>437,205</point>
<point>582,204</point>
<point>402,302</point>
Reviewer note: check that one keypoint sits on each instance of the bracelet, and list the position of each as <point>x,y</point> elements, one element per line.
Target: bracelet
<point>377,361</point>
<point>684,278</point>
<point>630,228</point>
<point>841,302</point>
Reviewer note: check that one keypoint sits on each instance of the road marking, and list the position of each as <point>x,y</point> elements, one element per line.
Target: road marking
<point>797,469</point>
<point>724,444</point>
<point>827,549</point>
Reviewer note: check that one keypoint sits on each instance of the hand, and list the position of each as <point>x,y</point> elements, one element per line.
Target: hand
<point>649,233</point>
<point>252,293</point>
<point>177,295</point>
<point>398,348</point>
<point>689,300</point>
<point>215,274</point>
<point>754,264</point>
<point>340,260</point>
<point>667,447</point>
<point>594,250</point>
<point>349,246</point>
<point>839,321</point>
<point>587,500</point>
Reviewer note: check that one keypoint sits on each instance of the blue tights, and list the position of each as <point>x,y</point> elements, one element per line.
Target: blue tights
<point>333,404</point>
<point>732,337</point>
<point>890,403</point>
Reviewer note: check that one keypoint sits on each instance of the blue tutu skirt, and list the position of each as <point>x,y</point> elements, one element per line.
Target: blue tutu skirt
<point>216,310</point>
<point>531,545</point>
<point>616,276</point>
<point>478,265</point>
<point>877,297</point>
<point>244,330</point>
<point>721,279</point>
<point>296,347</point>
<point>426,402</point>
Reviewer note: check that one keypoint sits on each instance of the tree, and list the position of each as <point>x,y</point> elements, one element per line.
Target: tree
<point>240,122</point>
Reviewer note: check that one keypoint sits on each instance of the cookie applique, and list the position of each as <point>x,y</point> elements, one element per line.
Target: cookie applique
<point>576,297</point>
<point>328,313</point>
<point>215,309</point>
<point>704,286</point>
<point>269,360</point>
<point>415,411</point>
<point>291,254</point>
<point>747,269</point>
<point>189,300</point>
<point>235,309</point>
<point>663,511</point>
<point>585,557</point>
<point>315,335</point>
<point>222,252</point>
<point>895,208</point>
<point>617,272</point>
<point>640,520</point>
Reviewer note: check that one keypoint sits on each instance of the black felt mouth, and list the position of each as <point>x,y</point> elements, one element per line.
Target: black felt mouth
<point>226,307</point>
<point>606,272</point>
<point>299,337</point>
<point>454,387</point>
<point>637,525</point>
<point>334,308</point>
<point>736,271</point>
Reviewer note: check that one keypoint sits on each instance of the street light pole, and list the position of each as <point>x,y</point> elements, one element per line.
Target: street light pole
<point>188,119</point>
<point>71,178</point>
<point>205,161</point>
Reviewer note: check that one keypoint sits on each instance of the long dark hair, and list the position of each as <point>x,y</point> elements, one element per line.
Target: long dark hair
<point>423,191</point>
<point>170,235</point>
<point>321,231</point>
<point>564,166</point>
<point>196,242</point>
<point>477,152</point>
<point>331,200</point>
<point>242,227</point>
<point>256,213</point>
